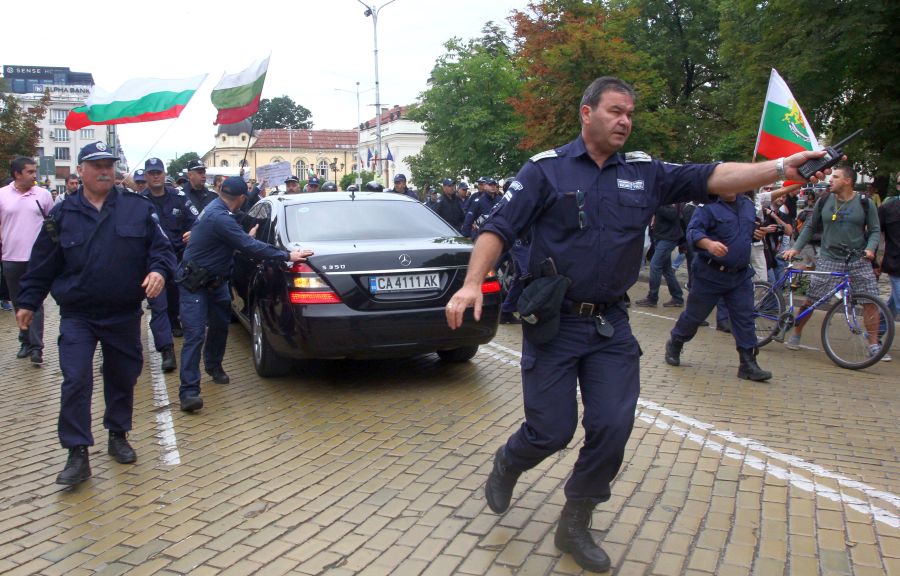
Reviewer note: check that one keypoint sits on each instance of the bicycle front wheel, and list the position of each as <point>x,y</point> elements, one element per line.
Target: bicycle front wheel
<point>849,326</point>
<point>768,306</point>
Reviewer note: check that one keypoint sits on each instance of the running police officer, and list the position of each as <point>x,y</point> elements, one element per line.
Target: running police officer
<point>481,207</point>
<point>100,257</point>
<point>587,207</point>
<point>195,187</point>
<point>205,298</point>
<point>721,234</point>
<point>176,216</point>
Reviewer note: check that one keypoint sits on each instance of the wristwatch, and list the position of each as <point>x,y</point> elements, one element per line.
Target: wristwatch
<point>779,168</point>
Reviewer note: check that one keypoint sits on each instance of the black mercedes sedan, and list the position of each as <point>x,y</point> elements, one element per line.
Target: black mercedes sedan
<point>383,270</point>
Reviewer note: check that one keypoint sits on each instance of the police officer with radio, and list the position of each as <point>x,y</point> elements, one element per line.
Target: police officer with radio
<point>205,298</point>
<point>587,207</point>
<point>176,216</point>
<point>100,254</point>
<point>195,187</point>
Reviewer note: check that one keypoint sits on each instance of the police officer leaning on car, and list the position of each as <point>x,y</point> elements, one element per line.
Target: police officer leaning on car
<point>103,253</point>
<point>587,207</point>
<point>205,298</point>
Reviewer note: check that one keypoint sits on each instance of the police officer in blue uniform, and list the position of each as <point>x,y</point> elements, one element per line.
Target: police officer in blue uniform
<point>400,187</point>
<point>205,298</point>
<point>481,208</point>
<point>587,206</point>
<point>101,255</point>
<point>176,216</point>
<point>449,206</point>
<point>721,234</point>
<point>195,185</point>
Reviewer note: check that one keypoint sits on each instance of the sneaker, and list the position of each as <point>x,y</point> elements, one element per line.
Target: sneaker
<point>793,343</point>
<point>645,303</point>
<point>875,349</point>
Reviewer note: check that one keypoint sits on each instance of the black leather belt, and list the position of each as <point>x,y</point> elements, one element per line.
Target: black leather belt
<point>721,267</point>
<point>587,309</point>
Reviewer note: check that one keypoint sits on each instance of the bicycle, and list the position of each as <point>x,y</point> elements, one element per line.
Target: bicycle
<point>845,336</point>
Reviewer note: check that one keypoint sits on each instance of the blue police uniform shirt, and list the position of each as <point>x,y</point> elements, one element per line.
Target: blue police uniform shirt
<point>176,213</point>
<point>101,259</point>
<point>467,203</point>
<point>216,236</point>
<point>408,192</point>
<point>479,210</point>
<point>731,224</point>
<point>591,219</point>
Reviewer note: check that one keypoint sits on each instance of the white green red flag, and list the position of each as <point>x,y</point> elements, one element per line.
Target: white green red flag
<point>138,100</point>
<point>236,96</point>
<point>783,129</point>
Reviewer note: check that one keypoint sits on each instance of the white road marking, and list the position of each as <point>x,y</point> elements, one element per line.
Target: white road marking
<point>795,479</point>
<point>165,428</point>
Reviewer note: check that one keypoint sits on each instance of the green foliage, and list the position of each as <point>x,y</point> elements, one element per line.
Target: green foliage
<point>19,132</point>
<point>177,165</point>
<point>350,178</point>
<point>282,112</point>
<point>472,127</point>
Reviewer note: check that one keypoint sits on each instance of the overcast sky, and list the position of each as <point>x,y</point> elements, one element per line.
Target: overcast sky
<point>317,47</point>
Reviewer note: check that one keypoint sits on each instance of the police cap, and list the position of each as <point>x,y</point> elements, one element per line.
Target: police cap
<point>139,176</point>
<point>539,307</point>
<point>447,182</point>
<point>491,181</point>
<point>292,179</point>
<point>234,186</point>
<point>95,151</point>
<point>313,181</point>
<point>400,178</point>
<point>463,186</point>
<point>154,165</point>
<point>195,165</point>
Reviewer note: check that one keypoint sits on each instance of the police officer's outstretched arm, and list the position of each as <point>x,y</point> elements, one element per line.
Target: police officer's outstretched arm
<point>737,177</point>
<point>45,264</point>
<point>233,235</point>
<point>161,260</point>
<point>487,251</point>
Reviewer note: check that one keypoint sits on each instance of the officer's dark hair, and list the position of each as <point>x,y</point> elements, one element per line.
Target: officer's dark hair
<point>18,164</point>
<point>847,171</point>
<point>594,92</point>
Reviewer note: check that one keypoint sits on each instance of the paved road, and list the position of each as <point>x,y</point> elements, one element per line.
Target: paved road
<point>378,468</point>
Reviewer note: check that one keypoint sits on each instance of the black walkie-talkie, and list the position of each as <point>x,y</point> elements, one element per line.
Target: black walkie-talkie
<point>833,155</point>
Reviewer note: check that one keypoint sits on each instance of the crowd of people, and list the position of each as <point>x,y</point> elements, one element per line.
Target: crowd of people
<point>573,220</point>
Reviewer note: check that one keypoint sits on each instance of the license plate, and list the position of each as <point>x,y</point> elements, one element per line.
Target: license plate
<point>403,283</point>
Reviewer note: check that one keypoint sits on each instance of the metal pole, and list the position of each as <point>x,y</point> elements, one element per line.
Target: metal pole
<point>373,12</point>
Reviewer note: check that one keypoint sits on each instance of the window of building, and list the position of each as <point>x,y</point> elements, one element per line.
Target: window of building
<point>58,116</point>
<point>223,137</point>
<point>87,133</point>
<point>322,171</point>
<point>60,188</point>
<point>224,164</point>
<point>301,168</point>
<point>60,135</point>
<point>18,85</point>
<point>40,151</point>
<point>62,154</point>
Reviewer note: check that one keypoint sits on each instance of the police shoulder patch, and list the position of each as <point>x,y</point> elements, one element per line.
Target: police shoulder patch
<point>181,192</point>
<point>543,155</point>
<point>637,156</point>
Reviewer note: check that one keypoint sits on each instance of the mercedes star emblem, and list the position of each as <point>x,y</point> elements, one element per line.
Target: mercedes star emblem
<point>405,260</point>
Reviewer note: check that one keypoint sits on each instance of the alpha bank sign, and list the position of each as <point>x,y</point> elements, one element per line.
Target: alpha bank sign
<point>64,90</point>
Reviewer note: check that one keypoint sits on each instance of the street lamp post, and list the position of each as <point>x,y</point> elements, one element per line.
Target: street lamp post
<point>373,12</point>
<point>358,132</point>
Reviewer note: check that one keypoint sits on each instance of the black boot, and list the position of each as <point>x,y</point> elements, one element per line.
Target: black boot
<point>500,483</point>
<point>749,369</point>
<point>573,536</point>
<point>673,351</point>
<point>168,358</point>
<point>77,469</point>
<point>24,350</point>
<point>218,375</point>
<point>120,449</point>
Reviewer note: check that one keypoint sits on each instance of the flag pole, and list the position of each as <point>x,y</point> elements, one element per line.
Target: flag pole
<point>249,138</point>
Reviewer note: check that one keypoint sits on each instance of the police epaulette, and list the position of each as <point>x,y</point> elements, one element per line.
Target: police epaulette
<point>545,154</point>
<point>637,157</point>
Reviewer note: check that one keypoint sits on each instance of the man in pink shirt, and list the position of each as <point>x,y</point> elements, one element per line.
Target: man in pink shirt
<point>23,206</point>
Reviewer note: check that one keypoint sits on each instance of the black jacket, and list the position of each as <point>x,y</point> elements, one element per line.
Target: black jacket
<point>450,209</point>
<point>667,224</point>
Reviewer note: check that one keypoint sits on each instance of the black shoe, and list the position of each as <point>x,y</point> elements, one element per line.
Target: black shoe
<point>120,449</point>
<point>500,483</point>
<point>673,352</point>
<point>218,375</point>
<point>749,369</point>
<point>37,356</point>
<point>645,303</point>
<point>168,358</point>
<point>704,323</point>
<point>724,327</point>
<point>177,332</point>
<point>509,318</point>
<point>191,403</point>
<point>574,537</point>
<point>24,351</point>
<point>673,303</point>
<point>77,469</point>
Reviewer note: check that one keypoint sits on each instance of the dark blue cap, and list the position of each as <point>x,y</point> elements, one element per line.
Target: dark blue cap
<point>95,151</point>
<point>154,164</point>
<point>490,180</point>
<point>463,186</point>
<point>313,181</point>
<point>481,180</point>
<point>234,186</point>
<point>447,182</point>
<point>139,176</point>
<point>400,178</point>
<point>291,178</point>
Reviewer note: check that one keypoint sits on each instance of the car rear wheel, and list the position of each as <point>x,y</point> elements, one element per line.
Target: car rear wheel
<point>266,361</point>
<point>463,354</point>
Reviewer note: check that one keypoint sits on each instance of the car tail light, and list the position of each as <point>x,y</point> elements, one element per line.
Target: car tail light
<point>490,285</point>
<point>310,288</point>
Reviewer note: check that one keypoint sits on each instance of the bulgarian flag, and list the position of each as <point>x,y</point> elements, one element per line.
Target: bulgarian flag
<point>783,129</point>
<point>138,100</point>
<point>236,96</point>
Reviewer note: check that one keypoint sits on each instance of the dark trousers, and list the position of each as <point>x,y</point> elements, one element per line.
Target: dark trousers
<point>160,325</point>
<point>607,371</point>
<point>707,288</point>
<point>661,267</point>
<point>120,340</point>
<point>205,315</point>
<point>34,336</point>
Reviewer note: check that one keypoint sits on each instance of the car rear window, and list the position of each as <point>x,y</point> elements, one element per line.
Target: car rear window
<point>363,220</point>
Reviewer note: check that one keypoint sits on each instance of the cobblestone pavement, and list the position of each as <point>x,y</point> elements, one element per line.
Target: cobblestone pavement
<point>378,468</point>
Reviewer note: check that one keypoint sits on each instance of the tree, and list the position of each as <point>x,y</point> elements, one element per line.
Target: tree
<point>177,165</point>
<point>350,178</point>
<point>19,132</point>
<point>282,112</point>
<point>472,127</point>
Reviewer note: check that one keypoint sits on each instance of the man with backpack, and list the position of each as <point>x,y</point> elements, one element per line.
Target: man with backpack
<point>846,221</point>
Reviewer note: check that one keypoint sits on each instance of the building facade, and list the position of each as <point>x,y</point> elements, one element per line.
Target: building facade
<point>57,153</point>
<point>399,135</point>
